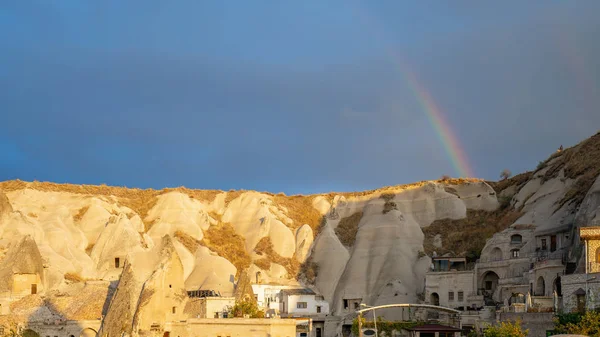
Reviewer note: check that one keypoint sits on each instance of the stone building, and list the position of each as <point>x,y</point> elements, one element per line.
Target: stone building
<point>505,261</point>
<point>581,291</point>
<point>21,272</point>
<point>449,282</point>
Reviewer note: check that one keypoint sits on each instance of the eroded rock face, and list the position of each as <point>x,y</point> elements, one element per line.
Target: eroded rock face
<point>93,235</point>
<point>5,206</point>
<point>211,272</point>
<point>589,210</point>
<point>151,289</point>
<point>387,244</point>
<point>304,240</point>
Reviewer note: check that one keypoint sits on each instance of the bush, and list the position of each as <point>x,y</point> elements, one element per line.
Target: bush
<point>587,324</point>
<point>246,307</point>
<point>506,329</point>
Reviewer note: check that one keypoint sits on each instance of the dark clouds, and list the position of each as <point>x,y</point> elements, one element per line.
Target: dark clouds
<point>209,97</point>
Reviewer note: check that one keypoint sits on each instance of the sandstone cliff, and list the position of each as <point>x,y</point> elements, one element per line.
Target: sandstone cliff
<point>371,245</point>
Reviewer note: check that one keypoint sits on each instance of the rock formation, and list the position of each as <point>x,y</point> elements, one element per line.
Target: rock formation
<point>364,245</point>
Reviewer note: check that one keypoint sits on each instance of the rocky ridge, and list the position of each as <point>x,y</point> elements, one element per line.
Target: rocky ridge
<point>344,245</point>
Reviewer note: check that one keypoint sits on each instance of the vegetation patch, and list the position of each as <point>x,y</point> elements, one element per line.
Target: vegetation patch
<point>263,263</point>
<point>74,277</point>
<point>468,236</point>
<point>187,241</point>
<point>384,327</point>
<point>518,181</point>
<point>265,248</point>
<point>223,240</point>
<point>300,209</point>
<point>582,163</point>
<point>77,217</point>
<point>389,206</point>
<point>347,228</point>
<point>309,270</point>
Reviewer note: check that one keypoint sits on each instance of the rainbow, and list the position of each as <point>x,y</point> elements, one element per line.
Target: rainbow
<point>440,124</point>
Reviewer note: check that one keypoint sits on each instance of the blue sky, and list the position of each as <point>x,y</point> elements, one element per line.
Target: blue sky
<point>292,96</point>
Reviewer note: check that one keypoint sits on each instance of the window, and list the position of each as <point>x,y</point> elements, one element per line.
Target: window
<point>356,305</point>
<point>34,289</point>
<point>517,238</point>
<point>117,262</point>
<point>552,243</point>
<point>174,309</point>
<point>544,247</point>
<point>301,305</point>
<point>514,253</point>
<point>451,296</point>
<point>461,296</point>
<point>318,309</point>
<point>345,304</point>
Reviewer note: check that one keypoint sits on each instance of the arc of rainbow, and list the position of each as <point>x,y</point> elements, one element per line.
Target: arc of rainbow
<point>441,126</point>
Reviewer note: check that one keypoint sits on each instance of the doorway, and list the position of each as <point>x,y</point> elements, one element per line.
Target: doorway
<point>434,299</point>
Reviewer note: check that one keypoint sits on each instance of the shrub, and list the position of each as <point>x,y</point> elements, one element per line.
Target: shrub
<point>506,329</point>
<point>587,324</point>
<point>246,306</point>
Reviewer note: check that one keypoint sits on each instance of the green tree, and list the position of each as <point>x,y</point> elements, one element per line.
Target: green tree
<point>506,329</point>
<point>587,324</point>
<point>246,306</point>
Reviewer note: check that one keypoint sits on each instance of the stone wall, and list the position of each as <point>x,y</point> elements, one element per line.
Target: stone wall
<point>537,323</point>
<point>572,283</point>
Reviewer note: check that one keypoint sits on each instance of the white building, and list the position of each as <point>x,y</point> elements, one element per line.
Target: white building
<point>303,302</point>
<point>289,300</point>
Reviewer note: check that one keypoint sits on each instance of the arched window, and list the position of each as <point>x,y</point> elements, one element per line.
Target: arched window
<point>517,238</point>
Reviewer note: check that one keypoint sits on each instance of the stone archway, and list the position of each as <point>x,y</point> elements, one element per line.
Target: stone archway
<point>88,332</point>
<point>489,281</point>
<point>540,287</point>
<point>434,299</point>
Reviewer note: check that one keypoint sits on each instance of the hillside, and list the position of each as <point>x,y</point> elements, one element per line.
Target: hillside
<point>341,244</point>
